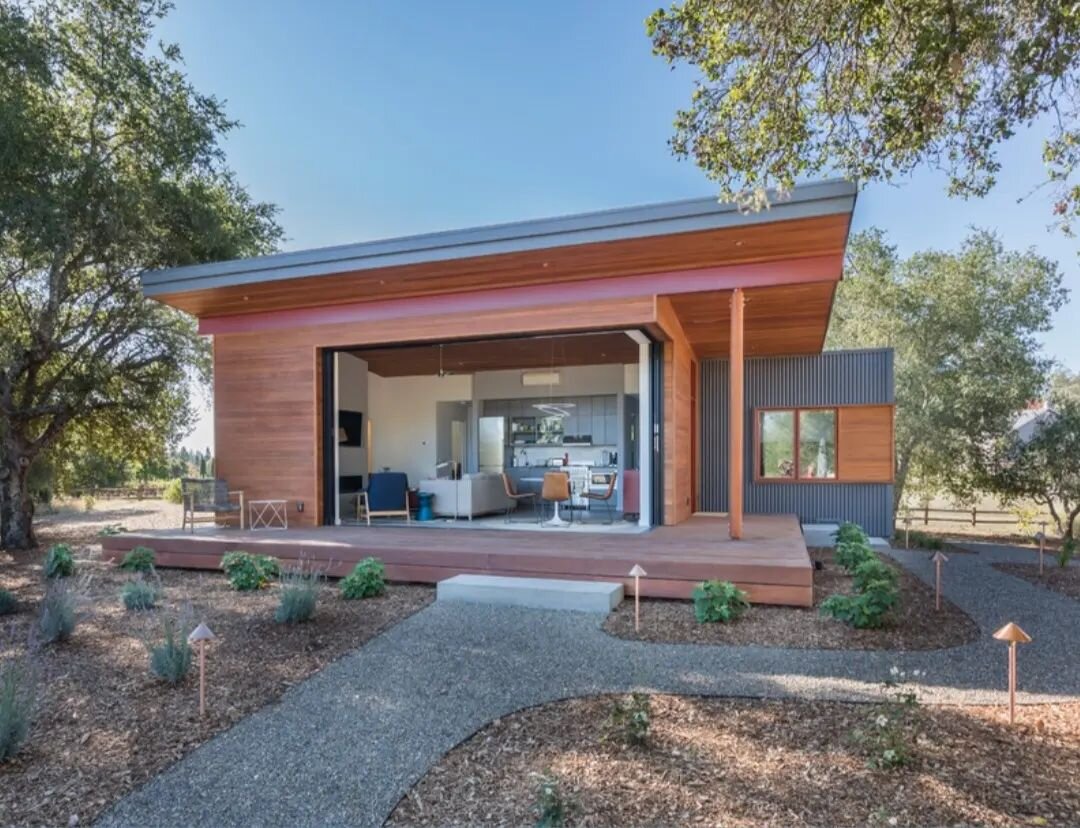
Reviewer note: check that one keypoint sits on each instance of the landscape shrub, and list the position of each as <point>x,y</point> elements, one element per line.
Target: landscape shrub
<point>8,602</point>
<point>367,580</point>
<point>18,694</point>
<point>631,718</point>
<point>849,532</point>
<point>111,529</point>
<point>890,735</point>
<point>299,594</point>
<point>170,657</point>
<point>248,572</point>
<point>920,540</point>
<point>552,806</point>
<point>139,559</point>
<point>866,609</point>
<point>718,601</point>
<point>57,616</point>
<point>59,562</point>
<point>173,492</point>
<point>139,594</point>
<point>871,570</point>
<point>850,554</point>
<point>1067,551</point>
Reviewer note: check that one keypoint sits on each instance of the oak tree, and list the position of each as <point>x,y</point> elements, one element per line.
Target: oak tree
<point>870,90</point>
<point>110,165</point>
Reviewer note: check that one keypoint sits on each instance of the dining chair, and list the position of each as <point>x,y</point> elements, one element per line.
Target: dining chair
<point>517,497</point>
<point>556,490</point>
<point>605,497</point>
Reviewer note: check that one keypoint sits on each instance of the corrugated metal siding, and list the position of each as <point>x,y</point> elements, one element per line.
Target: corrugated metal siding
<point>831,378</point>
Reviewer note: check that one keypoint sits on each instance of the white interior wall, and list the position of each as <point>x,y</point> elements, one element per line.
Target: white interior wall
<point>403,417</point>
<point>352,395</point>
<point>576,380</point>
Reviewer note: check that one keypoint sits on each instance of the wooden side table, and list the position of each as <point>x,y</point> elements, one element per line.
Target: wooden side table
<point>268,514</point>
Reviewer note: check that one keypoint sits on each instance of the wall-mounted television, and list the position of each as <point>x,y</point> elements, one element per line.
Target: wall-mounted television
<point>352,423</point>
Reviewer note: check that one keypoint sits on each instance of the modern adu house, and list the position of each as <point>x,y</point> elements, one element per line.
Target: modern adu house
<point>667,360</point>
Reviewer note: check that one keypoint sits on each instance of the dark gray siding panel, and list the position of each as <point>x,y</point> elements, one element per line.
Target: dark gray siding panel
<point>831,378</point>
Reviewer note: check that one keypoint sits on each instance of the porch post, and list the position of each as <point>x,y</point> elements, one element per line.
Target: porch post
<point>736,443</point>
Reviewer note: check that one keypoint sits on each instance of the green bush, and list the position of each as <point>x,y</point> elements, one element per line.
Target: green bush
<point>18,694</point>
<point>631,718</point>
<point>57,617</point>
<point>59,562</point>
<point>299,594</point>
<point>249,572</point>
<point>173,492</point>
<point>552,806</point>
<point>850,554</point>
<point>1065,554</point>
<point>8,602</point>
<point>871,570</point>
<point>139,559</point>
<point>850,533</point>
<point>111,529</point>
<point>139,594</point>
<point>170,658</point>
<point>367,580</point>
<point>866,609</point>
<point>718,601</point>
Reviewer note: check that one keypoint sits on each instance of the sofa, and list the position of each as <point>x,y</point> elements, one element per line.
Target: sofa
<point>472,495</point>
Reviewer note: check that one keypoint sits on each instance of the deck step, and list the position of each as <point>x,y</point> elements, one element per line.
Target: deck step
<point>537,593</point>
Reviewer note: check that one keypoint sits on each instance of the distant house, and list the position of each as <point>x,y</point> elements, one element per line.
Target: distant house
<point>1029,422</point>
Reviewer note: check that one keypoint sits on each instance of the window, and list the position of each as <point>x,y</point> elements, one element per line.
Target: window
<point>797,444</point>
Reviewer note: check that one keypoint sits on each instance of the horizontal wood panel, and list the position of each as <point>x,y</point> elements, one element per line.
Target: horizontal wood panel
<point>734,245</point>
<point>865,444</point>
<point>493,355</point>
<point>786,319</point>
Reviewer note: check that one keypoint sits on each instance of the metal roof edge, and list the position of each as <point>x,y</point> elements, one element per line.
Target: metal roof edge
<point>688,215</point>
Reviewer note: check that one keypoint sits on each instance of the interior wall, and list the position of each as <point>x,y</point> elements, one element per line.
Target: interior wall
<point>445,415</point>
<point>574,380</point>
<point>404,420</point>
<point>352,395</point>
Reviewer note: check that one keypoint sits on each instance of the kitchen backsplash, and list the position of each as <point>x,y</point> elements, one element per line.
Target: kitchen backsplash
<point>539,455</point>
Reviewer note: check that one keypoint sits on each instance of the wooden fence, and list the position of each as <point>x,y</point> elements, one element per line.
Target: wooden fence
<point>975,517</point>
<point>122,493</point>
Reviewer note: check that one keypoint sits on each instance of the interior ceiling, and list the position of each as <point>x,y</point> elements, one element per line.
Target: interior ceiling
<point>773,241</point>
<point>533,353</point>
<point>786,319</point>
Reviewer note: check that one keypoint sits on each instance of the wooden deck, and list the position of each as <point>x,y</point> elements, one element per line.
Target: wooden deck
<point>770,562</point>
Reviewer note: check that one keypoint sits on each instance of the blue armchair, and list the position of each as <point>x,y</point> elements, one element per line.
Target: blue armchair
<point>387,495</point>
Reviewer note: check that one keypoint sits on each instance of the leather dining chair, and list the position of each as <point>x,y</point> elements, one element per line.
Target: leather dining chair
<point>556,490</point>
<point>517,497</point>
<point>605,497</point>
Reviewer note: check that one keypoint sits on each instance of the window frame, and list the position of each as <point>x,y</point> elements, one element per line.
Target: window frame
<point>796,411</point>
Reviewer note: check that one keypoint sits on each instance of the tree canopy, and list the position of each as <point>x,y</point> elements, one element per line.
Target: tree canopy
<point>110,165</point>
<point>870,90</point>
<point>964,327</point>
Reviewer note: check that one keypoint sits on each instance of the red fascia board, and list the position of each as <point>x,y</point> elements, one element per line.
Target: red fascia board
<point>727,277</point>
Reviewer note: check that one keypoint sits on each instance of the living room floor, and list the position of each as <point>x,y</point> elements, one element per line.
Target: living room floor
<point>591,523</point>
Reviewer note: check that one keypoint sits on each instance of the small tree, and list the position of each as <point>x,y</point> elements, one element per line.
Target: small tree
<point>1045,469</point>
<point>110,165</point>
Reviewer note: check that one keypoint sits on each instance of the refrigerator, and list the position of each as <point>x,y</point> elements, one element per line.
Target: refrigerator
<point>493,439</point>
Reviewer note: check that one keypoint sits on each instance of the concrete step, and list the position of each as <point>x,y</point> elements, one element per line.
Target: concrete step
<point>537,593</point>
<point>820,536</point>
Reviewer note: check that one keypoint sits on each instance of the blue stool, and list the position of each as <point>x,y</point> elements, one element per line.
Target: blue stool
<point>424,510</point>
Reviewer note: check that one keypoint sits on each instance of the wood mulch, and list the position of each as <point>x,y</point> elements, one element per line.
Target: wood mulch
<point>105,725</point>
<point>1065,580</point>
<point>913,625</point>
<point>737,762</point>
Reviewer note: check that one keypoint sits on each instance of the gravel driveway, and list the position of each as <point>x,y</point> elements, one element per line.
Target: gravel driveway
<point>344,746</point>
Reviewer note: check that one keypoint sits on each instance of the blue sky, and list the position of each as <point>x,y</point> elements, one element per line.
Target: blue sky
<point>363,120</point>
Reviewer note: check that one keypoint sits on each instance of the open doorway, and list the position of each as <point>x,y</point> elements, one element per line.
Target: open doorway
<point>472,429</point>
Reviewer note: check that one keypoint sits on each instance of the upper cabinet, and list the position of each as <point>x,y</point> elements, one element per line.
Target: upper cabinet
<point>595,416</point>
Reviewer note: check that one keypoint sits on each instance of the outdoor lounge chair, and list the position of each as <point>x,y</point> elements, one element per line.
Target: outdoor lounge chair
<point>209,501</point>
<point>387,495</point>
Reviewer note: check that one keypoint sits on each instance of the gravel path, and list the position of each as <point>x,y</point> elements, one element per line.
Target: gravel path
<point>344,746</point>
